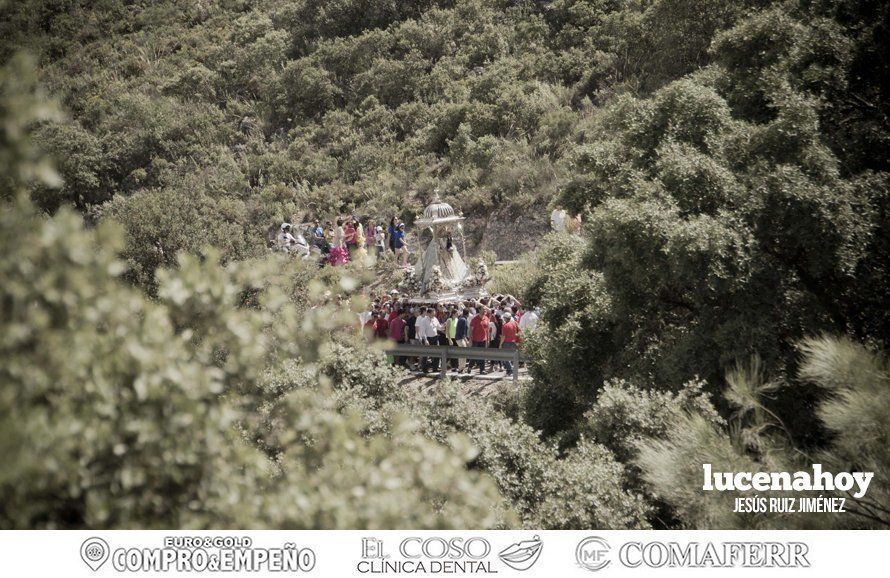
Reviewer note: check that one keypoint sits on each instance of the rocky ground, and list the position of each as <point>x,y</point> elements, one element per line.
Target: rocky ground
<point>508,233</point>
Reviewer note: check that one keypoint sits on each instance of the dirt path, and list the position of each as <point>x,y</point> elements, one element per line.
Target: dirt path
<point>471,385</point>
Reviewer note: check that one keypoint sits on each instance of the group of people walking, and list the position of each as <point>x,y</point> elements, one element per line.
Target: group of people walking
<point>492,322</point>
<point>346,239</point>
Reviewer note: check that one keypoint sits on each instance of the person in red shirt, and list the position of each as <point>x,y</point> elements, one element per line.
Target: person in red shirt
<point>349,234</point>
<point>398,334</point>
<point>397,328</point>
<point>381,327</point>
<point>509,330</point>
<point>479,336</point>
<point>509,339</point>
<point>394,313</point>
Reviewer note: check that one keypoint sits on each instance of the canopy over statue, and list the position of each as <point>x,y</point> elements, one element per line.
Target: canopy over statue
<point>440,273</point>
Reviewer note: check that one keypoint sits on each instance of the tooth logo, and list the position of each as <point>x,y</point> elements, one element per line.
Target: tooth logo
<point>522,555</point>
<point>94,552</point>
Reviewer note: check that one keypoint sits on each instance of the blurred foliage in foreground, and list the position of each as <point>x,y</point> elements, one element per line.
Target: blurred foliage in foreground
<point>117,411</point>
<point>120,411</point>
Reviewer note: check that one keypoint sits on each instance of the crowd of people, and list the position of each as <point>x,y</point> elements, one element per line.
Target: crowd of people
<point>494,322</point>
<point>498,321</point>
<point>345,239</point>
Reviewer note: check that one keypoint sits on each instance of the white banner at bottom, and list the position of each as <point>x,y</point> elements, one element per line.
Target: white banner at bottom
<point>382,553</point>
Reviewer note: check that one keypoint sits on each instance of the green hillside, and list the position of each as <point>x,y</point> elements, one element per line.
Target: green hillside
<point>725,302</point>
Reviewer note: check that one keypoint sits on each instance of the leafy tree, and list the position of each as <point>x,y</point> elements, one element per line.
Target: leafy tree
<point>718,222</point>
<point>80,159</point>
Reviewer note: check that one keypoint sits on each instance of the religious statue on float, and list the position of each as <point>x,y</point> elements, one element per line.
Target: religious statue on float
<point>440,269</point>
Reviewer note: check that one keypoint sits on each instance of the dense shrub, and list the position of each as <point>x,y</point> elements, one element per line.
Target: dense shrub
<point>583,489</point>
<point>718,225</point>
<point>624,415</point>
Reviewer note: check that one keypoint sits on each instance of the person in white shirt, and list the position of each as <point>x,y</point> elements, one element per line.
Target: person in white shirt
<point>379,240</point>
<point>364,317</point>
<point>420,326</point>
<point>529,320</point>
<point>284,240</point>
<point>428,334</point>
<point>431,327</point>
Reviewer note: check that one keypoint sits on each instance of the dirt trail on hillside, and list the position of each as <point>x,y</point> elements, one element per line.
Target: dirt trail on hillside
<point>485,386</point>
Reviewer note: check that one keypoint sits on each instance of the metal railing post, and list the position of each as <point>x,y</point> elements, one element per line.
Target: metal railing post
<point>443,367</point>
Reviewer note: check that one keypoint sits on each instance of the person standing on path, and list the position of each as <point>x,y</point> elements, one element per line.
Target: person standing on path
<point>430,327</point>
<point>450,335</point>
<point>349,236</point>
<point>339,255</point>
<point>379,241</point>
<point>411,333</point>
<point>509,339</point>
<point>529,319</point>
<point>391,231</point>
<point>479,336</point>
<point>494,336</point>
<point>400,246</point>
<point>381,326</point>
<point>397,333</point>
<point>460,337</point>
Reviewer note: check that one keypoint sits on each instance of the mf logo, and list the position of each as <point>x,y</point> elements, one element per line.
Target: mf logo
<point>592,553</point>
